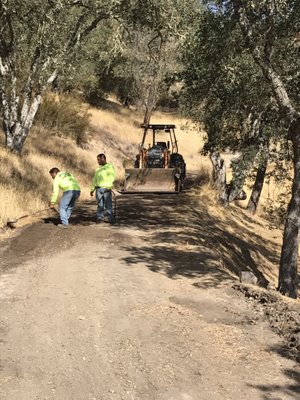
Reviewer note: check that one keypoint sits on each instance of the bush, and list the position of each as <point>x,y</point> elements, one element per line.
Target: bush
<point>64,116</point>
<point>94,94</point>
<point>276,211</point>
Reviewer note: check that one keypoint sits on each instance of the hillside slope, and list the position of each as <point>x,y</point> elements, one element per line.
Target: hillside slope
<point>25,184</point>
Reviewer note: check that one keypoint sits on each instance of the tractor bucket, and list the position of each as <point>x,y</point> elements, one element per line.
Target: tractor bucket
<point>151,180</point>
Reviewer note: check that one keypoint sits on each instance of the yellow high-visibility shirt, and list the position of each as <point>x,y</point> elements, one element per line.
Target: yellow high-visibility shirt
<point>64,181</point>
<point>104,177</point>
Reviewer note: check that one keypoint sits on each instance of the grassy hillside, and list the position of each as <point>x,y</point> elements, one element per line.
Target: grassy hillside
<point>25,184</point>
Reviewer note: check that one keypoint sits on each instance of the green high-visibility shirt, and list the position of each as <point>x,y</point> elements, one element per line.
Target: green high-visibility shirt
<point>104,177</point>
<point>64,181</point>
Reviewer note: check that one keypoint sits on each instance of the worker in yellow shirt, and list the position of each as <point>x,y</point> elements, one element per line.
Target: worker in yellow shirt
<point>102,184</point>
<point>71,192</point>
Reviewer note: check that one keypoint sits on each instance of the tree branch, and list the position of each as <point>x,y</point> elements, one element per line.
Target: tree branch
<point>261,57</point>
<point>270,34</point>
<point>101,16</point>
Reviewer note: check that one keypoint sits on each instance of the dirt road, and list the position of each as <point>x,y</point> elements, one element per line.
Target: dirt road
<point>142,310</point>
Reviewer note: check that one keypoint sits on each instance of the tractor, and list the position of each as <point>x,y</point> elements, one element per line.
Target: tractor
<point>158,168</point>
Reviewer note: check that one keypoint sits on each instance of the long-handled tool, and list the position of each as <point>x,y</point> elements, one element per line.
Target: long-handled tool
<point>11,223</point>
<point>114,206</point>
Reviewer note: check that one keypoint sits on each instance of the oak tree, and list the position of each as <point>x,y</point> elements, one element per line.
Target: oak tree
<point>37,39</point>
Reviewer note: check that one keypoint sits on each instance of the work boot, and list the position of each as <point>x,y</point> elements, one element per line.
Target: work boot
<point>63,226</point>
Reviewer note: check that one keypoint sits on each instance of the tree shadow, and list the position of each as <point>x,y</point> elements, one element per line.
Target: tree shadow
<point>182,238</point>
<point>187,240</point>
<point>279,392</point>
<point>83,214</point>
<point>112,106</point>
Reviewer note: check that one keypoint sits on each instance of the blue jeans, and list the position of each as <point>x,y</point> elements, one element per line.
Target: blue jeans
<point>66,206</point>
<point>104,200</point>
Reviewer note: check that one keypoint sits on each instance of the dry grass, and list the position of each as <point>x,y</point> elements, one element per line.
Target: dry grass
<point>122,126</point>
<point>25,184</point>
<point>274,195</point>
<point>243,242</point>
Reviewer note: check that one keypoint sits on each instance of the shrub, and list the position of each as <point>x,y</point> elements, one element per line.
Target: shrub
<point>94,94</point>
<point>276,211</point>
<point>64,116</point>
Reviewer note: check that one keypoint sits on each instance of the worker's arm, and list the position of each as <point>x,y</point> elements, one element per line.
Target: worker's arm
<point>112,171</point>
<point>112,174</point>
<point>93,185</point>
<point>55,191</point>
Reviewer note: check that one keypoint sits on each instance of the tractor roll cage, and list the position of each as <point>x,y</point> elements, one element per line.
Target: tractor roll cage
<point>158,127</point>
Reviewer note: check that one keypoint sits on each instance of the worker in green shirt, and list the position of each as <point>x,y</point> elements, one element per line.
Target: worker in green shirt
<point>102,184</point>
<point>71,192</point>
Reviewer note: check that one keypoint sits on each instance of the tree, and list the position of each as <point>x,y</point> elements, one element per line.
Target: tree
<point>259,179</point>
<point>263,24</point>
<point>152,33</point>
<point>135,56</point>
<point>269,30</point>
<point>37,40</point>
<point>223,91</point>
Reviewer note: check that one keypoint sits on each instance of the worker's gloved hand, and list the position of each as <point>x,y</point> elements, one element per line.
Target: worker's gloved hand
<point>91,193</point>
<point>52,206</point>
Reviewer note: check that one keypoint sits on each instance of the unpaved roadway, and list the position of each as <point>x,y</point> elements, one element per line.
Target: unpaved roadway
<point>141,310</point>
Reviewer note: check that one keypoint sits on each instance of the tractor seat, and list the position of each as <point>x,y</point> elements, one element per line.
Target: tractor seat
<point>162,144</point>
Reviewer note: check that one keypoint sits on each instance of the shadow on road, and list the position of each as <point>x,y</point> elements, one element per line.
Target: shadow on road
<point>278,392</point>
<point>184,239</point>
<point>84,214</point>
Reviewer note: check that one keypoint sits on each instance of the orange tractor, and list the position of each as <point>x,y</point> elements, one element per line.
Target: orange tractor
<point>158,168</point>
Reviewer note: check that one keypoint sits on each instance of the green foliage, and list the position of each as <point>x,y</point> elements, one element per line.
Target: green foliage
<point>223,86</point>
<point>63,116</point>
<point>275,210</point>
<point>140,55</point>
<point>45,33</point>
<point>94,94</point>
<point>38,40</point>
<point>226,91</point>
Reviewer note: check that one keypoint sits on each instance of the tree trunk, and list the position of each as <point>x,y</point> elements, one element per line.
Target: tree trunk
<point>151,97</point>
<point>219,175</point>
<point>259,182</point>
<point>15,138</point>
<point>234,192</point>
<point>150,100</point>
<point>147,115</point>
<point>288,277</point>
<point>227,192</point>
<point>17,127</point>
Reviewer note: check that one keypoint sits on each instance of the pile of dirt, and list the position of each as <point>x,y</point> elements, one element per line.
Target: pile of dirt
<point>283,314</point>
